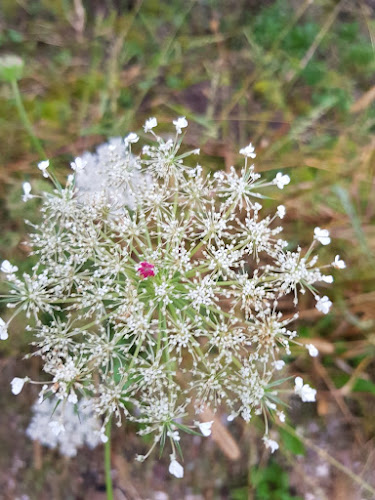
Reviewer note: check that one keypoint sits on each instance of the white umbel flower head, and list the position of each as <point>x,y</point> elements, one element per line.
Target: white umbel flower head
<point>180,123</point>
<point>322,235</point>
<point>143,271</point>
<point>323,304</point>
<point>176,468</point>
<point>17,384</point>
<point>26,187</point>
<point>248,151</point>
<point>43,166</point>
<point>281,180</point>
<point>8,268</point>
<point>304,391</point>
<point>3,329</point>
<point>270,443</point>
<point>73,425</point>
<point>205,428</point>
<point>313,351</point>
<point>150,124</point>
<point>338,263</point>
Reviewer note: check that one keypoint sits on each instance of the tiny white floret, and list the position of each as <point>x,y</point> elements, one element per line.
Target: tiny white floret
<point>17,385</point>
<point>322,235</point>
<point>131,138</point>
<point>271,444</point>
<point>248,151</point>
<point>281,180</point>
<point>281,416</point>
<point>150,124</point>
<point>338,263</point>
<point>323,304</point>
<point>3,329</point>
<point>176,468</point>
<point>281,211</point>
<point>72,398</point>
<point>205,428</point>
<point>7,268</point>
<point>180,123</point>
<point>313,351</point>
<point>26,187</point>
<point>43,165</point>
<point>304,391</point>
<point>78,164</point>
<point>279,364</point>
<point>174,435</point>
<point>103,435</point>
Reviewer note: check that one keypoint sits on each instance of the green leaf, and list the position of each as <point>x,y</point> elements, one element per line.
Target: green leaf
<point>292,443</point>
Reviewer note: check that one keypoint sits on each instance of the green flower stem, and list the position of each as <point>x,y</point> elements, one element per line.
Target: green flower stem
<point>107,462</point>
<point>25,120</point>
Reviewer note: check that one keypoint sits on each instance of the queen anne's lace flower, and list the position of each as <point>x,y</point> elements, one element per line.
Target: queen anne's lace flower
<point>161,287</point>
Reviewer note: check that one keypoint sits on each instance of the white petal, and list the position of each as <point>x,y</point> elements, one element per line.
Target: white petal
<point>7,268</point>
<point>176,469</point>
<point>17,385</point>
<point>298,383</point>
<point>205,428</point>
<point>313,351</point>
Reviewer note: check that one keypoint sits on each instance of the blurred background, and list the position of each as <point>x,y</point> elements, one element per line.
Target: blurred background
<point>297,78</point>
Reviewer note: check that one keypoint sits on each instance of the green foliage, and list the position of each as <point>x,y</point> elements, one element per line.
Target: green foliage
<point>292,443</point>
<point>268,483</point>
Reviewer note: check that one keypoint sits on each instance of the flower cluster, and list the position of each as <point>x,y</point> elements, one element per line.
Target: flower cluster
<point>156,289</point>
<point>71,427</point>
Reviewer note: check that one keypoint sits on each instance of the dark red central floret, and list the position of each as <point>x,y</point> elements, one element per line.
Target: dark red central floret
<point>145,269</point>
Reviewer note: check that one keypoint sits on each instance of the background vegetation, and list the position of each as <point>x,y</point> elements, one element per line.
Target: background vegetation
<point>296,77</point>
